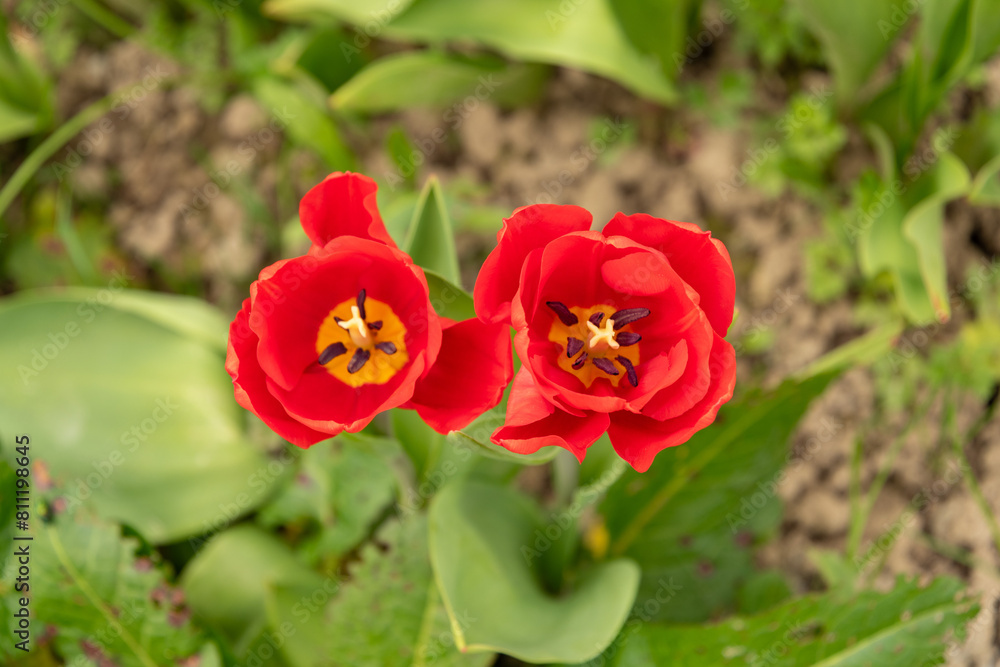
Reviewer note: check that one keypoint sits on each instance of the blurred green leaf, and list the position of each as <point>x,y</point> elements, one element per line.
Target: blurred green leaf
<point>106,602</point>
<point>477,434</point>
<point>431,241</point>
<point>26,97</point>
<point>448,299</point>
<point>855,34</point>
<point>909,623</point>
<point>371,14</point>
<point>691,518</point>
<point>660,28</point>
<point>761,591</point>
<point>8,480</point>
<point>305,120</point>
<point>437,79</point>
<point>482,539</point>
<point>583,35</point>
<point>902,234</point>
<point>126,396</point>
<point>249,587</point>
<point>390,613</point>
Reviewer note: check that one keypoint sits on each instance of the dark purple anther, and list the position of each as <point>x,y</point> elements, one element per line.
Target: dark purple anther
<point>628,316</point>
<point>332,352</point>
<point>581,361</point>
<point>596,318</point>
<point>388,348</point>
<point>606,365</point>
<point>375,326</point>
<point>567,317</point>
<point>361,304</point>
<point>633,377</point>
<point>627,338</point>
<point>573,345</point>
<point>358,361</point>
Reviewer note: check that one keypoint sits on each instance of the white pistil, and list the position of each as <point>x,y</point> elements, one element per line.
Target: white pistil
<point>356,327</point>
<point>604,335</point>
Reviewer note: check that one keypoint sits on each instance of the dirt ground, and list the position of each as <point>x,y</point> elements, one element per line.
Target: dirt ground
<point>149,173</point>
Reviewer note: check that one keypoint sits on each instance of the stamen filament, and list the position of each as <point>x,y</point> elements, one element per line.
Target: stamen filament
<point>356,327</point>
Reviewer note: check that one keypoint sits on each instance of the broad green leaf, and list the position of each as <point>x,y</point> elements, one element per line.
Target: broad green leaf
<point>909,625</point>
<point>483,539</point>
<point>437,79</point>
<point>855,35</point>
<point>985,188</point>
<point>901,232</point>
<point>88,582</point>
<point>864,349</point>
<point>305,119</point>
<point>431,241</point>
<point>239,584</point>
<point>8,482</point>
<point>660,28</point>
<point>338,492</point>
<point>129,408</point>
<point>691,518</point>
<point>389,612</point>
<point>584,35</point>
<point>372,15</point>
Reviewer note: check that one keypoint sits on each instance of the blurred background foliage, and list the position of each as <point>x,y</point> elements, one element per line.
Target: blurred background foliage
<point>171,529</point>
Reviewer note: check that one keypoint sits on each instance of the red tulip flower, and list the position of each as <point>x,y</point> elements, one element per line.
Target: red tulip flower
<point>618,331</point>
<point>328,340</point>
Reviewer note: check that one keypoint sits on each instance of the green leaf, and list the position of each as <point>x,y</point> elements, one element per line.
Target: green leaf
<point>659,29</point>
<point>230,586</point>
<point>431,241</point>
<point>390,613</point>
<point>129,407</point>
<point>437,79</point>
<point>337,494</point>
<point>448,299</point>
<point>865,349</point>
<point>855,35</point>
<point>16,122</point>
<point>689,520</point>
<point>907,626</point>
<point>582,35</point>
<point>477,435</point>
<point>360,12</point>
<point>304,118</point>
<point>482,538</point>
<point>8,482</point>
<point>88,582</point>
<point>902,234</point>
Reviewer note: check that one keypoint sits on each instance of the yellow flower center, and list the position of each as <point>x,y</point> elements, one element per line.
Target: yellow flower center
<point>597,342</point>
<point>362,341</point>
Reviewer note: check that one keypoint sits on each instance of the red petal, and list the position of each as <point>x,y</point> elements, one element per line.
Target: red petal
<point>470,375</point>
<point>529,228</point>
<point>343,205</point>
<point>703,262</point>
<point>250,386</point>
<point>638,438</point>
<point>680,396</point>
<point>533,423</point>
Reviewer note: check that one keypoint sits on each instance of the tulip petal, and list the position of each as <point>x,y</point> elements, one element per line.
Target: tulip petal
<point>638,438</point>
<point>343,204</point>
<point>472,370</point>
<point>529,228</point>
<point>701,261</point>
<point>250,386</point>
<point>533,422</point>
